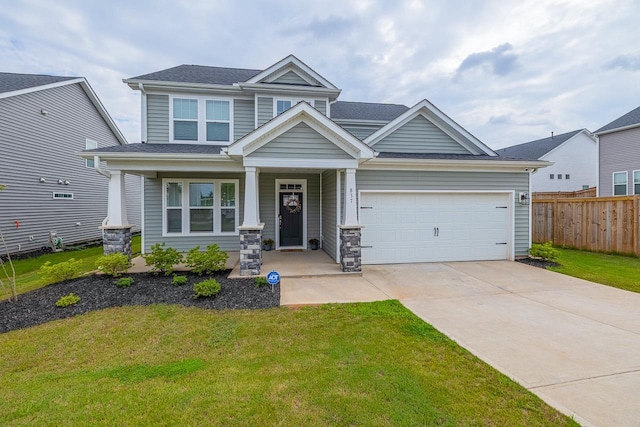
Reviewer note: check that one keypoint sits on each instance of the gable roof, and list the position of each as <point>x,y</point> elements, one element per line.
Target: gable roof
<point>629,120</point>
<point>345,110</point>
<point>291,63</point>
<point>440,120</point>
<point>11,82</point>
<point>199,74</point>
<point>534,150</point>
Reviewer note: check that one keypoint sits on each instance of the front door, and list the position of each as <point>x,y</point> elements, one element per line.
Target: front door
<point>291,219</point>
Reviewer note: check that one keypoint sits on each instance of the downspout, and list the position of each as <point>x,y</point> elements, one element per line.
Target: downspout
<point>96,166</point>
<point>143,113</point>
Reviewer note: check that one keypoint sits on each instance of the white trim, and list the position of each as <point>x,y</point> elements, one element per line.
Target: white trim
<point>587,134</point>
<point>185,208</point>
<point>143,113</point>
<point>338,214</point>
<point>41,87</point>
<point>142,230</point>
<point>90,144</point>
<point>633,182</point>
<point>530,215</point>
<point>598,166</point>
<point>510,206</point>
<point>202,119</point>
<point>320,240</point>
<point>613,183</point>
<point>294,101</point>
<point>451,164</point>
<point>620,129</point>
<point>287,63</point>
<point>303,182</point>
<point>266,162</point>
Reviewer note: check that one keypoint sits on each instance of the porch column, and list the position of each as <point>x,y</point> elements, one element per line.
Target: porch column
<point>116,230</point>
<point>350,230</point>
<point>350,203</point>
<point>251,229</point>
<point>250,197</point>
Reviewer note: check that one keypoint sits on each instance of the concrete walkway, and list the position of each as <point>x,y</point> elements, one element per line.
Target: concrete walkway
<point>574,343</point>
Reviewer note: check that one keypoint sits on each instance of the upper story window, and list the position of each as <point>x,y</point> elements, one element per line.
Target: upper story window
<point>282,105</point>
<point>201,120</point>
<point>620,183</point>
<point>89,145</point>
<point>636,182</point>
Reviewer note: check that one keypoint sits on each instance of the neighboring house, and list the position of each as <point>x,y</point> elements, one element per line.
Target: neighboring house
<point>574,156</point>
<point>44,122</point>
<point>232,156</point>
<point>619,156</point>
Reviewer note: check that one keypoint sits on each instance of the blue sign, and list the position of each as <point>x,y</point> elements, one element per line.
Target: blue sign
<point>273,277</point>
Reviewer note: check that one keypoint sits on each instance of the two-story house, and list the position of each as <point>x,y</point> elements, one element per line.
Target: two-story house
<point>619,156</point>
<point>233,156</point>
<point>44,122</point>
<point>574,158</point>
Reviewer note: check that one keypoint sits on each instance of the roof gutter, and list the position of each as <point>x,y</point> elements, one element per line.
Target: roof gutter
<point>143,113</point>
<point>605,132</point>
<point>96,166</point>
<point>449,164</point>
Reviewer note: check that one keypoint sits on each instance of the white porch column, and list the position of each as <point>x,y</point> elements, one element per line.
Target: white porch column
<point>350,204</point>
<point>250,197</point>
<point>117,203</point>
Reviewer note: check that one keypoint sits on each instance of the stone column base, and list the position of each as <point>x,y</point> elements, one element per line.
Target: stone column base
<point>116,239</point>
<point>250,250</point>
<point>350,249</point>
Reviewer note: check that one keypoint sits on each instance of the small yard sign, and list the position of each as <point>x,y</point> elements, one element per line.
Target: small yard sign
<point>273,278</point>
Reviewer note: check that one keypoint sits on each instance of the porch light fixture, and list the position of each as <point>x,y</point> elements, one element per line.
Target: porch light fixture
<point>523,198</point>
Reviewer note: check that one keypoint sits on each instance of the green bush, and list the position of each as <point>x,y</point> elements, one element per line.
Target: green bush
<point>113,264</point>
<point>179,280</point>
<point>162,260</point>
<point>65,270</point>
<point>206,288</point>
<point>544,251</point>
<point>124,282</point>
<point>207,262</point>
<point>261,281</point>
<point>67,300</point>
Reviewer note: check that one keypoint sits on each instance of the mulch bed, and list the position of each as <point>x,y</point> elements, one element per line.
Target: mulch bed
<point>538,263</point>
<point>99,292</point>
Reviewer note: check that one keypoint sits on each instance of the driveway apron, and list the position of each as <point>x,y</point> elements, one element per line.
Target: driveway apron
<point>574,343</point>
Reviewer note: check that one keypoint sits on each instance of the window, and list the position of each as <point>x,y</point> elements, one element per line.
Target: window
<point>551,176</point>
<point>67,196</point>
<point>89,145</point>
<point>620,183</point>
<point>204,207</point>
<point>201,120</point>
<point>559,176</point>
<point>567,176</point>
<point>282,105</point>
<point>636,182</point>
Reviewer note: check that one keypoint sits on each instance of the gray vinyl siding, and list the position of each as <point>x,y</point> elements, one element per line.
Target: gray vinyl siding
<point>153,215</point>
<point>458,181</point>
<point>329,215</point>
<point>34,146</point>
<point>133,190</point>
<point>419,135</point>
<point>243,117</point>
<point>158,119</point>
<point>301,141</point>
<point>361,131</point>
<point>268,200</point>
<point>291,78</point>
<point>265,110</point>
<point>619,152</point>
<point>321,106</point>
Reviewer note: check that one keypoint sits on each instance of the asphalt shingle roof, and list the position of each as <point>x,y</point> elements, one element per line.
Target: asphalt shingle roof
<point>159,149</point>
<point>10,82</point>
<point>200,74</point>
<point>631,118</point>
<point>343,110</point>
<point>533,150</point>
<point>442,156</point>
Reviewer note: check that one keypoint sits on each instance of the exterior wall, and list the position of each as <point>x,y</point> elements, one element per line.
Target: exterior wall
<point>158,119</point>
<point>578,158</point>
<point>291,78</point>
<point>153,215</point>
<point>34,146</point>
<point>329,213</point>
<point>462,181</point>
<point>301,141</point>
<point>361,131</point>
<point>320,106</point>
<point>243,117</point>
<point>619,151</point>
<point>419,135</point>
<point>268,200</point>
<point>265,109</point>
<point>133,190</point>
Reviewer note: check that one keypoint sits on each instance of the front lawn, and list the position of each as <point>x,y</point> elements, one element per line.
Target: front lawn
<point>621,272</point>
<point>351,364</point>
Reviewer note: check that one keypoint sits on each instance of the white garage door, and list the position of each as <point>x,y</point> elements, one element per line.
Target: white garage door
<point>426,227</point>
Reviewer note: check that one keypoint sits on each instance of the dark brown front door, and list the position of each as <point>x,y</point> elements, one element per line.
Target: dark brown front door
<point>291,219</point>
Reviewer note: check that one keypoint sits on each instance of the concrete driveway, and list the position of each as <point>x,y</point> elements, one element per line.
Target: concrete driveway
<point>574,343</point>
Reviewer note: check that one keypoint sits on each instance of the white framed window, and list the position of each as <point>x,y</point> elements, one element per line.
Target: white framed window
<point>620,183</point>
<point>89,145</point>
<point>201,120</point>
<point>552,175</point>
<point>63,196</point>
<point>280,105</point>
<point>200,206</point>
<point>636,182</point>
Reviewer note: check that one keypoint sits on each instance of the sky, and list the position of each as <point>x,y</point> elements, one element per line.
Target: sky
<point>507,71</point>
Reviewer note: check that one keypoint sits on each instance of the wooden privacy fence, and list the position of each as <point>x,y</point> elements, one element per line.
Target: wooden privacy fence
<point>605,224</point>
<point>589,192</point>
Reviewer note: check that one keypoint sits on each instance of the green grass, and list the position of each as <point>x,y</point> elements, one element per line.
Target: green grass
<point>351,364</point>
<point>27,278</point>
<point>619,271</point>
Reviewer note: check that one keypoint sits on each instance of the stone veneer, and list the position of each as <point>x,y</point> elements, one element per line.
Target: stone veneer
<point>350,249</point>
<point>250,250</point>
<point>117,239</point>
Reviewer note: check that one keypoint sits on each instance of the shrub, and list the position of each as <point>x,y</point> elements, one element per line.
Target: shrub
<point>206,288</point>
<point>207,262</point>
<point>67,300</point>
<point>113,264</point>
<point>179,280</point>
<point>261,281</point>
<point>124,282</point>
<point>162,260</point>
<point>544,251</point>
<point>61,271</point>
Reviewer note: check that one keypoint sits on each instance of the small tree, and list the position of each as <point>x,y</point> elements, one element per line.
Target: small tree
<point>8,277</point>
